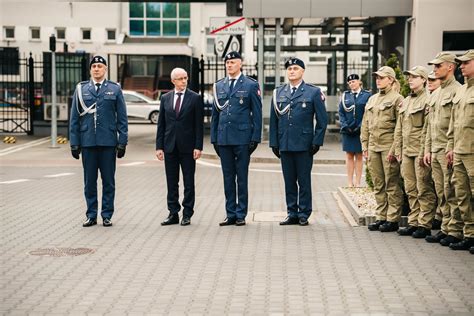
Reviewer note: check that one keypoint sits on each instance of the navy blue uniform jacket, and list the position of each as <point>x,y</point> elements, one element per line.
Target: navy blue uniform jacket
<point>110,125</point>
<point>296,130</point>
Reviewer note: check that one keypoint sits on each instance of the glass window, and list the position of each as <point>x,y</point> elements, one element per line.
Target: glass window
<point>111,35</point>
<point>184,28</point>
<point>136,10</point>
<point>132,98</point>
<point>160,19</point>
<point>61,33</point>
<point>153,10</point>
<point>169,10</point>
<point>86,34</point>
<point>184,10</point>
<point>9,32</point>
<point>35,33</point>
<point>136,27</point>
<point>169,28</point>
<point>153,28</point>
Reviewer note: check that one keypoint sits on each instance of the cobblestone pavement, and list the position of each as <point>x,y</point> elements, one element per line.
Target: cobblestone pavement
<point>139,267</point>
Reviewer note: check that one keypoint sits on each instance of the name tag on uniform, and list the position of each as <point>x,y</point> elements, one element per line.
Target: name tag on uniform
<point>109,92</point>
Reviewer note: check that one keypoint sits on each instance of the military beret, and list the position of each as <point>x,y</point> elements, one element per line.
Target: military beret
<point>385,71</point>
<point>294,61</point>
<point>442,57</point>
<point>97,60</point>
<point>417,71</point>
<point>232,55</point>
<point>353,77</point>
<point>467,56</point>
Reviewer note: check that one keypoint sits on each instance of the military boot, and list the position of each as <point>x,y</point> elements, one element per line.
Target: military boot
<point>471,250</point>
<point>389,227</point>
<point>464,244</point>
<point>407,231</point>
<point>375,226</point>
<point>436,224</point>
<point>448,240</point>
<point>435,238</point>
<point>421,232</point>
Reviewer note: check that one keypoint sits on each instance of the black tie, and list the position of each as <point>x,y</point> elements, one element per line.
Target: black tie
<point>232,82</point>
<point>98,87</point>
<point>355,95</point>
<point>293,90</point>
<point>177,107</point>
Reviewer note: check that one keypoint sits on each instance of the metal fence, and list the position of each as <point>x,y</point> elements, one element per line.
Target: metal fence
<point>25,88</point>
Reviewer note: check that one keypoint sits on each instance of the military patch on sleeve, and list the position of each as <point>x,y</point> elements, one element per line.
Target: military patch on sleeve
<point>323,97</point>
<point>258,92</point>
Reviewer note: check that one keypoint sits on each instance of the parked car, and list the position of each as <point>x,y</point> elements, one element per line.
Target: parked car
<point>139,106</point>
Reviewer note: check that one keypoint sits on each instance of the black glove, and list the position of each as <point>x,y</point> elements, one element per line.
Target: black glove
<point>75,151</point>
<point>314,149</point>
<point>216,148</point>
<point>252,147</point>
<point>121,150</point>
<point>276,152</point>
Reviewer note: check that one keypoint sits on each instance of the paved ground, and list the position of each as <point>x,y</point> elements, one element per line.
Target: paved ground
<point>139,267</point>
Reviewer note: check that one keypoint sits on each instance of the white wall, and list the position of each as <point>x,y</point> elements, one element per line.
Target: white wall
<point>432,17</point>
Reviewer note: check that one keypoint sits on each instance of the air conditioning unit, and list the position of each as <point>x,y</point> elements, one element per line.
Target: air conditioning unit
<point>61,111</point>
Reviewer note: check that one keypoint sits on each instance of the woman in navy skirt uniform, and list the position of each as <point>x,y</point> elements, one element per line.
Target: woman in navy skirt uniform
<point>351,111</point>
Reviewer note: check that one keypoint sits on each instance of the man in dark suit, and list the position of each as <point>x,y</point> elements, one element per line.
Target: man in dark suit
<point>99,129</point>
<point>179,141</point>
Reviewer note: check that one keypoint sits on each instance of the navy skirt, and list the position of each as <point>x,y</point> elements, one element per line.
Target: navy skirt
<point>351,143</point>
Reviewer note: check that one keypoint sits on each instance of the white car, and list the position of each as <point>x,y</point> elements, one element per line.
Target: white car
<point>139,106</point>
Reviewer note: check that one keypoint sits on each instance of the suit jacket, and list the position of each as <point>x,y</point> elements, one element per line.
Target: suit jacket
<point>351,121</point>
<point>108,126</point>
<point>295,130</point>
<point>185,130</point>
<point>241,121</point>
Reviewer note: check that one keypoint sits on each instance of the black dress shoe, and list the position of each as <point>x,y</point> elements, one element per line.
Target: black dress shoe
<point>436,224</point>
<point>290,221</point>
<point>107,222</point>
<point>388,227</point>
<point>89,222</point>
<point>303,222</point>
<point>240,222</point>
<point>171,220</point>
<point>421,232</point>
<point>435,238</point>
<point>186,221</point>
<point>407,231</point>
<point>227,222</point>
<point>471,250</point>
<point>464,244</point>
<point>375,226</point>
<point>448,240</point>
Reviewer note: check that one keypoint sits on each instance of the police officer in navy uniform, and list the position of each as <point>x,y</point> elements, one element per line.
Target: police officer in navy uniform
<point>295,139</point>
<point>99,130</point>
<point>235,132</point>
<point>351,112</point>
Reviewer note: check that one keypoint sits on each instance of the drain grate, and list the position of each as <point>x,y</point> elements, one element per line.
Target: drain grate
<point>60,252</point>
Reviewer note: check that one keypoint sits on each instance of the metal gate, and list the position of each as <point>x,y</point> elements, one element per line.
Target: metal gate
<point>25,86</point>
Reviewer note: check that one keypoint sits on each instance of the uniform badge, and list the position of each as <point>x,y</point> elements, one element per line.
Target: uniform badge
<point>241,100</point>
<point>109,92</point>
<point>304,104</point>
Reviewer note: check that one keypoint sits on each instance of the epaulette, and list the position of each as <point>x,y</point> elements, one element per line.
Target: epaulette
<point>253,79</point>
<point>84,82</point>
<point>115,83</point>
<point>220,80</point>
<point>312,85</point>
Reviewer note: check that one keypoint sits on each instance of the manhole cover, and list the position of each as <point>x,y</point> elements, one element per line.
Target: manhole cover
<point>60,252</point>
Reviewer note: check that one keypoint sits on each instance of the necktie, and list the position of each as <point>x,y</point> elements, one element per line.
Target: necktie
<point>177,106</point>
<point>98,87</point>
<point>293,90</point>
<point>232,83</point>
<point>355,95</point>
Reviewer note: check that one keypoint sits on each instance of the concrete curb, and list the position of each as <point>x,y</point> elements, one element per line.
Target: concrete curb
<point>276,160</point>
<point>359,217</point>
